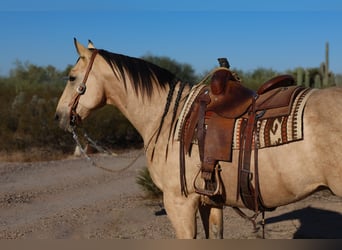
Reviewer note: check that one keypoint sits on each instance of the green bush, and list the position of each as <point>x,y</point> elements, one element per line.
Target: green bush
<point>28,100</point>
<point>145,182</point>
<point>29,96</point>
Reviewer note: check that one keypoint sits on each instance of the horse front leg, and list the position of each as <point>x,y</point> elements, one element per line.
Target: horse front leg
<point>181,211</point>
<point>212,219</point>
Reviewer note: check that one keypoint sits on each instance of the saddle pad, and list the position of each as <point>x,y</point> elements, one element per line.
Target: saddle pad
<point>194,92</point>
<point>276,131</point>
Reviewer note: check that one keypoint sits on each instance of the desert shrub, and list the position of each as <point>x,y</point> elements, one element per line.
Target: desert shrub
<point>29,96</point>
<point>254,79</point>
<point>144,180</point>
<point>28,99</point>
<point>110,128</point>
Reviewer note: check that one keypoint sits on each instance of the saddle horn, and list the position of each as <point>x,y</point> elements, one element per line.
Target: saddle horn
<point>219,81</point>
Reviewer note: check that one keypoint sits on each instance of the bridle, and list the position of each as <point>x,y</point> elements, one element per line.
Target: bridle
<point>75,119</point>
<point>80,90</point>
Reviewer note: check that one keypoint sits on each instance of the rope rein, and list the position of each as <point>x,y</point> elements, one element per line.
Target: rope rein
<point>102,150</point>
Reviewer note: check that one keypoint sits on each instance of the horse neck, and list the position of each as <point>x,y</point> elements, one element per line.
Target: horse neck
<point>144,112</point>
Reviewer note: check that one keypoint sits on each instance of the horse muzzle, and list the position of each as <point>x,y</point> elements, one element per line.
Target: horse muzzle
<point>67,122</point>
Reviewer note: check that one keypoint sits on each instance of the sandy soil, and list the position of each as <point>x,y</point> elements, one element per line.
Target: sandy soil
<point>71,199</point>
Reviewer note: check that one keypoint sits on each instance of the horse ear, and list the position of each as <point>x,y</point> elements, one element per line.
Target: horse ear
<point>91,45</point>
<point>81,50</point>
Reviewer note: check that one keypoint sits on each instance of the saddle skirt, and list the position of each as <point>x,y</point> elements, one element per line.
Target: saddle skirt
<point>277,129</point>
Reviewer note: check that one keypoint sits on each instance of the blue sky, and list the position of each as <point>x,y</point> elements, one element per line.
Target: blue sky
<point>272,34</point>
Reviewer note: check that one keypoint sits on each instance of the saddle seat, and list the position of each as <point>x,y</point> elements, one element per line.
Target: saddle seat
<point>213,115</point>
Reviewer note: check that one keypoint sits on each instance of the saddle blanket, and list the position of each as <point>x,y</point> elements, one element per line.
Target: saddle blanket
<point>272,131</point>
<point>276,131</point>
<point>194,92</point>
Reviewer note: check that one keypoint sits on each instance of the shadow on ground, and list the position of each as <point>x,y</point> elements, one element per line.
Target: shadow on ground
<point>314,223</point>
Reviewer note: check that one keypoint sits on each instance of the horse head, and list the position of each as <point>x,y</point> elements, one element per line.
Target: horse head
<point>131,84</point>
<point>84,90</point>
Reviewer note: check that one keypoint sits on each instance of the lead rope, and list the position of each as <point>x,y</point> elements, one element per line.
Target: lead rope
<point>100,149</point>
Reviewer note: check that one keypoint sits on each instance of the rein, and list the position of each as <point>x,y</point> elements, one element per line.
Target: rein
<point>100,149</point>
<point>75,119</point>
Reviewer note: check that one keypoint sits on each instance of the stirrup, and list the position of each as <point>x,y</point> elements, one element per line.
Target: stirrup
<point>205,191</point>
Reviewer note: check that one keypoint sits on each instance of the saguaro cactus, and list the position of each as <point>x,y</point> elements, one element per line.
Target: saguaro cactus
<point>317,77</point>
<point>300,76</point>
<point>307,78</point>
<point>325,67</point>
<point>317,81</point>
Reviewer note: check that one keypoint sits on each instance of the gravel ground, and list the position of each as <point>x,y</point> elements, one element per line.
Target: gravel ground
<point>71,199</point>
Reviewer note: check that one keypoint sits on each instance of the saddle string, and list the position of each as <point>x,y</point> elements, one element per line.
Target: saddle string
<point>100,149</point>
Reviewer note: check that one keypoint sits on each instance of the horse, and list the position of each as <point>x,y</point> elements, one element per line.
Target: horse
<point>151,98</point>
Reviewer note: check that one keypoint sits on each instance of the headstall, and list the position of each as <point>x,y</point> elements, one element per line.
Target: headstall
<point>80,90</point>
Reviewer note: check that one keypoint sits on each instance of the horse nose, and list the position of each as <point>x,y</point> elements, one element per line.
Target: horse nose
<point>56,117</point>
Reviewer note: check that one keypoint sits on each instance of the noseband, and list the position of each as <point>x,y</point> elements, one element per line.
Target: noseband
<point>80,90</point>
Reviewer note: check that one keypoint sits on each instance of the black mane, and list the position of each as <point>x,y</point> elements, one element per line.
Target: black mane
<point>142,73</point>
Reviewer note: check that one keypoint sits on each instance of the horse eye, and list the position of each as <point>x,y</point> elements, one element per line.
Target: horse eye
<point>72,78</point>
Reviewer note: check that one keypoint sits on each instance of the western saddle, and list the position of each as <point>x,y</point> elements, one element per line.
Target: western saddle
<point>211,121</point>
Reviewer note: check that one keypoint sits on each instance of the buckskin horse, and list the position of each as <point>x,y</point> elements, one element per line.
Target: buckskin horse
<point>152,99</point>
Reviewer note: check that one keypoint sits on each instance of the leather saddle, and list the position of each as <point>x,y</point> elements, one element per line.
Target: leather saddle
<point>211,122</point>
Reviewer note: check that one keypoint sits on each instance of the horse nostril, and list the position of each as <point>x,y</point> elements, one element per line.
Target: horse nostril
<point>56,117</point>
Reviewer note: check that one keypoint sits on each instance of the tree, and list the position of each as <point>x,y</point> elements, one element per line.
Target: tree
<point>183,71</point>
<point>254,79</point>
<point>27,73</point>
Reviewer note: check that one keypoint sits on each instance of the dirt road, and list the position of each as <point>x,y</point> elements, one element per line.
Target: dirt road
<point>71,199</point>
